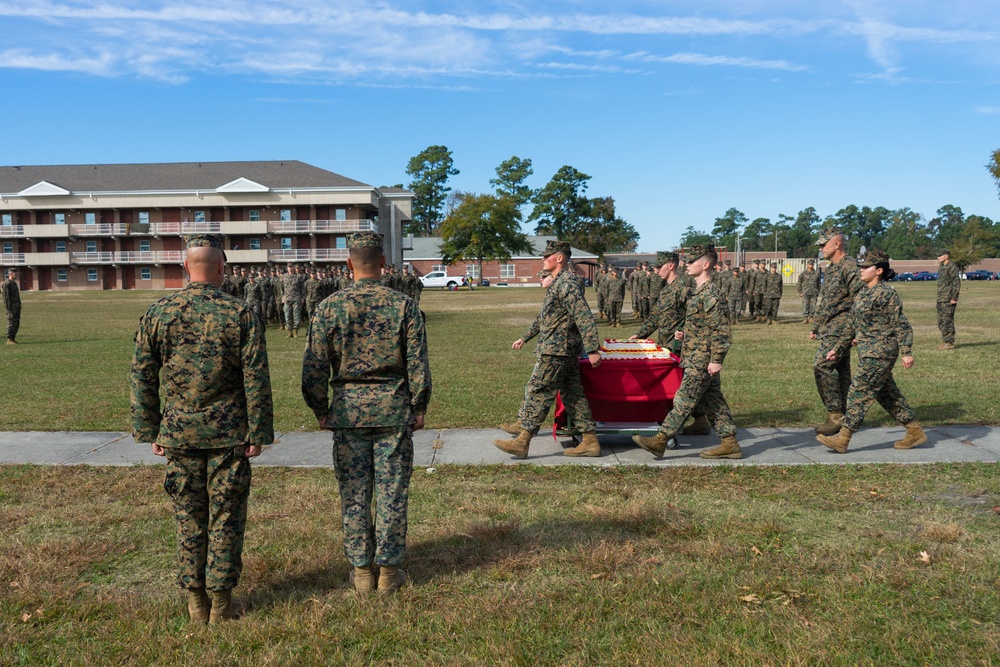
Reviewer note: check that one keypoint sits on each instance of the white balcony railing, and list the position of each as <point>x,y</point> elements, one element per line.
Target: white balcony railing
<point>177,228</point>
<point>92,257</point>
<point>321,226</point>
<point>130,257</point>
<point>101,229</point>
<point>11,231</point>
<point>309,255</point>
<point>12,259</point>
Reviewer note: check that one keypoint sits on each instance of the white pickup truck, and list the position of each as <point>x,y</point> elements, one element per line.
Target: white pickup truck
<point>440,279</point>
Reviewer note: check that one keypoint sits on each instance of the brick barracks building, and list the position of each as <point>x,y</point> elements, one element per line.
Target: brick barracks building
<point>121,226</point>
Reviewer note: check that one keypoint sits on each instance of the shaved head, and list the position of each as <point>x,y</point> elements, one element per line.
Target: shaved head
<point>205,264</point>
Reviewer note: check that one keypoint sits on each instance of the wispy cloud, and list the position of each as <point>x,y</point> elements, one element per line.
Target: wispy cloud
<point>986,111</point>
<point>702,59</point>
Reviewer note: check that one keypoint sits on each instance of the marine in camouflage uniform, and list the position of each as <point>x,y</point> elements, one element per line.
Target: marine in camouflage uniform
<point>631,283</point>
<point>706,341</point>
<point>882,334</point>
<point>209,351</point>
<point>368,345</point>
<point>668,318</point>
<point>735,296</point>
<point>291,299</point>
<point>12,305</point>
<point>949,284</point>
<point>312,293</point>
<point>614,289</point>
<point>751,283</point>
<point>808,286</point>
<point>759,289</point>
<point>601,292</point>
<point>253,295</point>
<point>772,294</point>
<point>565,326</point>
<point>840,285</point>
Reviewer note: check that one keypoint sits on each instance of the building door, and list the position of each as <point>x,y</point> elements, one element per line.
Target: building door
<point>44,279</point>
<point>128,277</point>
<point>110,277</point>
<point>173,276</point>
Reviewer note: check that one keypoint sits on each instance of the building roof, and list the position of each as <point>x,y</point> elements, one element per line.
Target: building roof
<point>430,248</point>
<point>272,174</point>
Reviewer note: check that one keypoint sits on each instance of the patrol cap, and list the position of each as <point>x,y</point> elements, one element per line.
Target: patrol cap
<point>696,252</point>
<point>206,241</point>
<point>943,251</point>
<point>552,246</point>
<point>811,262</point>
<point>827,234</point>
<point>665,257</point>
<point>364,240</point>
<point>873,257</point>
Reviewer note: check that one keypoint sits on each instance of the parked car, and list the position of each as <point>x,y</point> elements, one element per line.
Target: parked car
<point>924,275</point>
<point>903,277</point>
<point>981,274</point>
<point>440,279</point>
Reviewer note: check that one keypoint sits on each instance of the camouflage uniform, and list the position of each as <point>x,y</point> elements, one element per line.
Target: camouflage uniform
<point>735,296</point>
<point>368,345</point>
<point>809,281</point>
<point>12,305</point>
<point>668,318</point>
<point>252,294</point>
<point>833,378</point>
<point>599,289</point>
<point>211,352</point>
<point>291,294</point>
<point>633,289</point>
<point>949,284</point>
<point>614,288</point>
<point>883,333</point>
<point>772,294</point>
<point>759,288</point>
<point>706,340</point>
<point>566,329</point>
<point>312,295</point>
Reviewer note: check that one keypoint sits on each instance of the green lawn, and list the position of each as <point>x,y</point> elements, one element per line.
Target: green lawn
<point>71,372</point>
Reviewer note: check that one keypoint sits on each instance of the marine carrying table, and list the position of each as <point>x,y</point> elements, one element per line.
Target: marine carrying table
<point>626,396</point>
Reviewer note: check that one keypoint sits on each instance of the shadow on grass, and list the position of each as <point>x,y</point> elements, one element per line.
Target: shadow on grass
<point>982,343</point>
<point>767,418</point>
<point>933,413</point>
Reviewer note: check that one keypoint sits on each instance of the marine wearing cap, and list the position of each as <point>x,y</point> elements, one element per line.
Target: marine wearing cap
<point>873,257</point>
<point>827,234</point>
<point>553,246</point>
<point>666,258</point>
<point>696,252</point>
<point>364,240</point>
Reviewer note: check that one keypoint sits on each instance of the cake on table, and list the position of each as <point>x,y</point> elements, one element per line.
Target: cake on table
<point>632,349</point>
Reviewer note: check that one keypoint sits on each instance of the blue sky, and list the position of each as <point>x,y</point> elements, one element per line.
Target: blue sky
<point>677,109</point>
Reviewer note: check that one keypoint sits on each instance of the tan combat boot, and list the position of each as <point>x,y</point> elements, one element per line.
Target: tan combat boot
<point>728,449</point>
<point>914,436</point>
<point>362,579</point>
<point>516,447</point>
<point>699,426</point>
<point>295,333</point>
<point>589,446</point>
<point>199,606</point>
<point>225,608</point>
<point>839,442</point>
<point>391,579</point>
<point>513,429</point>
<point>655,445</point>
<point>805,320</point>
<point>947,346</point>
<point>832,423</point>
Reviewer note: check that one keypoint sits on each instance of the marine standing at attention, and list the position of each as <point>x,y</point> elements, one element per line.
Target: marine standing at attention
<point>808,289</point>
<point>566,328</point>
<point>882,334</point>
<point>12,305</point>
<point>368,347</point>
<point>949,284</point>
<point>217,414</point>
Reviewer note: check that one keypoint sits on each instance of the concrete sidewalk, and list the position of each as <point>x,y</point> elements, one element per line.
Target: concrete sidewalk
<point>435,447</point>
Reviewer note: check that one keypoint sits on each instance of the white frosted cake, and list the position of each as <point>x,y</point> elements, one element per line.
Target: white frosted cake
<point>632,349</point>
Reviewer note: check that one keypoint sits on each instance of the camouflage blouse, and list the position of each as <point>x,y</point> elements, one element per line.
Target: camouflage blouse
<point>841,283</point>
<point>878,324</point>
<point>706,328</point>
<point>670,311</point>
<point>565,325</point>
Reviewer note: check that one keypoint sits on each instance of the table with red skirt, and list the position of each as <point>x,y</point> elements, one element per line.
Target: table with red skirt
<point>626,396</point>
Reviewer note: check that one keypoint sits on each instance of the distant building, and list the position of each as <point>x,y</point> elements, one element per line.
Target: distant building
<point>425,256</point>
<point>121,226</point>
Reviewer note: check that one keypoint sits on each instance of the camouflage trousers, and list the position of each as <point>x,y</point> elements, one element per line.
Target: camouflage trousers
<point>614,311</point>
<point>555,374</point>
<point>945,321</point>
<point>13,323</point>
<point>601,303</point>
<point>833,378</point>
<point>808,305</point>
<point>311,308</point>
<point>771,307</point>
<point>735,307</point>
<point>209,488</point>
<point>293,314</point>
<point>758,305</point>
<point>635,304</point>
<point>699,393</point>
<point>644,307</point>
<point>373,468</point>
<point>872,382</point>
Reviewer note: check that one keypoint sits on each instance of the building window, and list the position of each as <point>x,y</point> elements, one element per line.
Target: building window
<point>8,247</point>
<point>199,216</point>
<point>8,219</point>
<point>472,270</point>
<point>255,244</point>
<point>507,271</point>
<point>92,275</point>
<point>286,243</point>
<point>440,267</point>
<point>60,246</point>
<point>286,215</point>
<point>254,215</point>
<point>143,217</point>
<point>340,214</point>
<point>144,245</point>
<point>60,218</point>
<point>62,275</point>
<point>91,246</point>
<point>145,273</point>
<point>91,218</point>
<point>341,242</point>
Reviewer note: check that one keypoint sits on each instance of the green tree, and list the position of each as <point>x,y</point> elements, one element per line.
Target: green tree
<point>947,225</point>
<point>726,227</point>
<point>905,235</point>
<point>483,228</point>
<point>801,237</point>
<point>430,170</point>
<point>601,231</point>
<point>561,204</point>
<point>993,166</point>
<point>511,175</point>
<point>755,235</point>
<point>691,237</point>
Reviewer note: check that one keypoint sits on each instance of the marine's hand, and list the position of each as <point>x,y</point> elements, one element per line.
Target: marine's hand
<point>812,335</point>
<point>831,355</point>
<point>632,337</point>
<point>518,343</point>
<point>418,422</point>
<point>714,369</point>
<point>322,423</point>
<point>908,362</point>
<point>679,335</point>
<point>595,359</point>
<point>252,451</point>
<point>157,450</point>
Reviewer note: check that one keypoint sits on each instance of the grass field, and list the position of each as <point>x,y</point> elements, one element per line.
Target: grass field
<point>71,372</point>
<point>805,565</point>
